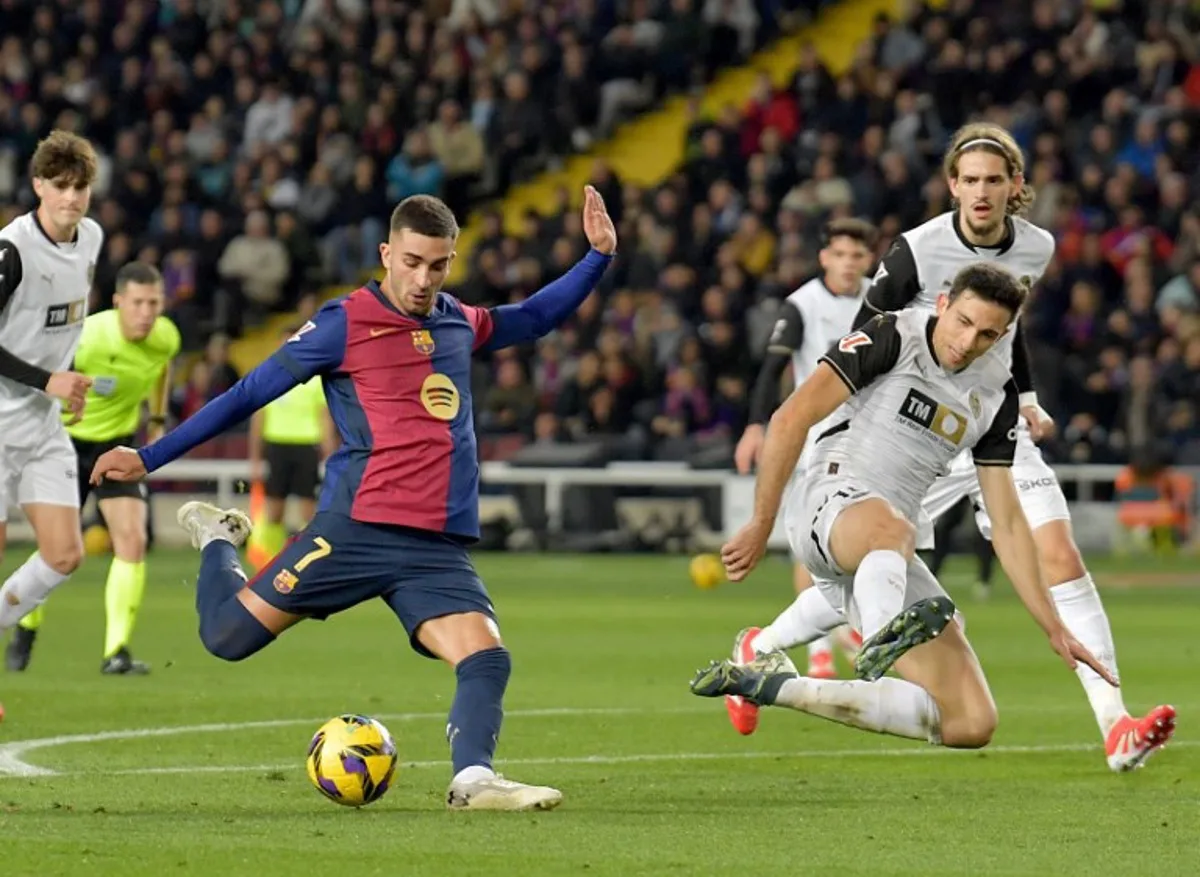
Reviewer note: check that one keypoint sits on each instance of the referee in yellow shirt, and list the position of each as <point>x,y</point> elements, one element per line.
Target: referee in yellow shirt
<point>292,435</point>
<point>127,351</point>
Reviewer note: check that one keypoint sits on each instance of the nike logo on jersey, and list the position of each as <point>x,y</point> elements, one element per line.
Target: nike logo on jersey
<point>386,330</point>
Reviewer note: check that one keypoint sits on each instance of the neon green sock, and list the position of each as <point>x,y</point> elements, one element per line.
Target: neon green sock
<point>122,599</point>
<point>33,620</point>
<point>268,539</point>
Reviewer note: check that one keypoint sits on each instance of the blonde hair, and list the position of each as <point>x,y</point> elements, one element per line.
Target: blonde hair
<point>986,137</point>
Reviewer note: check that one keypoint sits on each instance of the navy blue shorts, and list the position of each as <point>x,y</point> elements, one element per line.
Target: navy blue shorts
<point>336,562</point>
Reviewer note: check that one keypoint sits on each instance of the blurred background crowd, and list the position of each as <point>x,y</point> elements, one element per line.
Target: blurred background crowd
<point>254,151</point>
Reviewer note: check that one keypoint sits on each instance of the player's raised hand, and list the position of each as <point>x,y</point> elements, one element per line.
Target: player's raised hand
<point>1072,651</point>
<point>71,388</point>
<point>749,446</point>
<point>1041,424</point>
<point>597,224</point>
<point>743,552</point>
<point>119,464</point>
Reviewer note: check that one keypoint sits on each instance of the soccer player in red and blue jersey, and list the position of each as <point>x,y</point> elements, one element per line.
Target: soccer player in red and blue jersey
<point>400,500</point>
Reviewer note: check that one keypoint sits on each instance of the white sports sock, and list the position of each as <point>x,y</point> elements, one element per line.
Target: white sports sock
<point>823,644</point>
<point>473,774</point>
<point>879,586</point>
<point>1082,612</point>
<point>808,618</point>
<point>26,589</point>
<point>887,706</point>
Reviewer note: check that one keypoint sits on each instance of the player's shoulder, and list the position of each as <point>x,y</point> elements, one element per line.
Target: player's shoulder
<point>930,232</point>
<point>90,231</point>
<point>1033,238</point>
<point>18,231</point>
<point>805,290</point>
<point>165,335</point>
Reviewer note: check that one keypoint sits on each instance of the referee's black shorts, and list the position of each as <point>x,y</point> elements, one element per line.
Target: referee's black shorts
<point>294,470</point>
<point>87,453</point>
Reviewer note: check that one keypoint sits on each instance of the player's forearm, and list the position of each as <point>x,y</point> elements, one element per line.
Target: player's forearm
<point>765,395</point>
<point>786,435</point>
<point>17,369</point>
<point>549,307</point>
<point>1015,548</point>
<point>267,382</point>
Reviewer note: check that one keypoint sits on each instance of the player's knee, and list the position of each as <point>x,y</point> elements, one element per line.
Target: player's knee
<point>131,546</point>
<point>495,663</point>
<point>973,729</point>
<point>892,533</point>
<point>64,558</point>
<point>1058,556</point>
<point>232,633</point>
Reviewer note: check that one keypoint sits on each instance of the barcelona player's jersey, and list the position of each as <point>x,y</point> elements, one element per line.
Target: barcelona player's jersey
<point>399,392</point>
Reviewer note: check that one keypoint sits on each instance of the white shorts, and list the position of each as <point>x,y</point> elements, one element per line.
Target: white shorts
<point>810,517</point>
<point>1041,497</point>
<point>45,473</point>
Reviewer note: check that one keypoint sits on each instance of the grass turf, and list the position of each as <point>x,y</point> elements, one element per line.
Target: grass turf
<point>656,782</point>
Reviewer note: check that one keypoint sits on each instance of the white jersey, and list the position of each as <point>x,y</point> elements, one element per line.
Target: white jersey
<point>908,418</point>
<point>922,263</point>
<point>43,317</point>
<point>812,320</point>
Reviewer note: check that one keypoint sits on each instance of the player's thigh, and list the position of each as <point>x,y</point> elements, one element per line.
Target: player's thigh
<point>440,599</point>
<point>332,564</point>
<point>812,515</point>
<point>125,512</point>
<point>56,529</point>
<point>949,671</point>
<point>48,492</point>
<point>870,524</point>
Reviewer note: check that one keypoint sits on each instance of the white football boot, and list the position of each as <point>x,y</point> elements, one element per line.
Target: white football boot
<point>204,522</point>
<point>496,793</point>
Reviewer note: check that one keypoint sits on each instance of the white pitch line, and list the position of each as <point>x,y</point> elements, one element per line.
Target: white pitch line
<point>12,755</point>
<point>917,752</point>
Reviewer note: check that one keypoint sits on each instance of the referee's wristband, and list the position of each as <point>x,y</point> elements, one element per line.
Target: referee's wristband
<point>1027,400</point>
<point>157,419</point>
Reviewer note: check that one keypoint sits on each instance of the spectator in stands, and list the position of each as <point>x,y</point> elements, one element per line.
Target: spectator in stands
<point>257,262</point>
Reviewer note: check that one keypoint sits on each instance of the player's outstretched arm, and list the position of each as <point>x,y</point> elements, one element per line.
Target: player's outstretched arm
<point>318,347</point>
<point>549,307</point>
<point>1017,552</point>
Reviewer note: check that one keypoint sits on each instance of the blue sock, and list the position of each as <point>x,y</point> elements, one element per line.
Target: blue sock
<point>227,628</point>
<point>478,710</point>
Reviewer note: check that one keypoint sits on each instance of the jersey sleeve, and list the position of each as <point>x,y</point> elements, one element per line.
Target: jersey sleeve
<point>318,347</point>
<point>895,285</point>
<point>867,353</point>
<point>11,271</point>
<point>481,323</point>
<point>788,334</point>
<point>998,445</point>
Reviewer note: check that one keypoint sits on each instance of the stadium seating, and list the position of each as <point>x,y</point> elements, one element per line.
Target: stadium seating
<point>286,138</point>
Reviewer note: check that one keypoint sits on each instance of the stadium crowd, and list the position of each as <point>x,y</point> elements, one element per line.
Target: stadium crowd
<point>254,149</point>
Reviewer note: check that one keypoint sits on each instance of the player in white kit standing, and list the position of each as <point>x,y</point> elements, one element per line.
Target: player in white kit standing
<point>813,317</point>
<point>985,171</point>
<point>907,393</point>
<point>47,259</point>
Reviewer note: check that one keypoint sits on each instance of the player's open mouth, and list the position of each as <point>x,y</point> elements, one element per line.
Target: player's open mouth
<point>982,209</point>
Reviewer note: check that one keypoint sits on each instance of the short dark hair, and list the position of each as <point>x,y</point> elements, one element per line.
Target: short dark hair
<point>138,272</point>
<point>426,215</point>
<point>856,229</point>
<point>990,282</point>
<point>64,155</point>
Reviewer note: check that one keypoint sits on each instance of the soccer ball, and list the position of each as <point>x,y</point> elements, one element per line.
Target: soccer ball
<point>351,760</point>
<point>706,571</point>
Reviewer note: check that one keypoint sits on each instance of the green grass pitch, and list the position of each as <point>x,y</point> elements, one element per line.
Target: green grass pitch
<point>656,782</point>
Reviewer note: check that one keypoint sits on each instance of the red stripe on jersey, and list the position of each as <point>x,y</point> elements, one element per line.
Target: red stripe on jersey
<point>481,322</point>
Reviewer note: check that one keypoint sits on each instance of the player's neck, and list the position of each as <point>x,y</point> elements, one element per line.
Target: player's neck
<point>58,234</point>
<point>992,239</point>
<point>833,287</point>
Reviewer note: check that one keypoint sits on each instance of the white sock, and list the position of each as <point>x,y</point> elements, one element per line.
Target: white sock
<point>808,618</point>
<point>823,644</point>
<point>473,774</point>
<point>1082,612</point>
<point>887,706</point>
<point>26,589</point>
<point>879,586</point>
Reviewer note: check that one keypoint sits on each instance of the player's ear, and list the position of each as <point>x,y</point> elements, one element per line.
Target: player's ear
<point>943,302</point>
<point>39,187</point>
<point>385,250</point>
